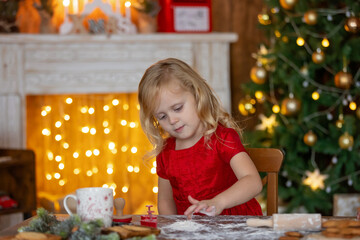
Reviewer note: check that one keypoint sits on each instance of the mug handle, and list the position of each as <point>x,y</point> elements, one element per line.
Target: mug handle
<point>65,203</point>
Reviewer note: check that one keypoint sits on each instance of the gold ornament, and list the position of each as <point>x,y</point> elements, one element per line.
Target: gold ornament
<point>258,74</point>
<point>318,56</point>
<point>288,4</point>
<point>290,106</point>
<point>264,18</point>
<point>346,141</point>
<point>247,106</point>
<point>352,24</point>
<point>310,17</point>
<point>310,138</point>
<point>343,80</point>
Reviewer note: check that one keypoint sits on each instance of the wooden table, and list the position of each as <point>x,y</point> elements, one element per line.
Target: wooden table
<point>219,227</point>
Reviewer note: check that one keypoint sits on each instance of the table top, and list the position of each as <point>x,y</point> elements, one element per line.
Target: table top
<point>201,227</point>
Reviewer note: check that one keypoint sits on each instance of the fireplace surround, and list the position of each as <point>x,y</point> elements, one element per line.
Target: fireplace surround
<point>54,64</point>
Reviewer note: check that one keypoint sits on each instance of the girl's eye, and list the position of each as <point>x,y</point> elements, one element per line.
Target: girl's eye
<point>178,108</point>
<point>161,117</point>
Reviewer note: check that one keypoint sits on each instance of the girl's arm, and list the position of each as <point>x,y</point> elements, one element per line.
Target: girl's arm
<point>247,187</point>
<point>166,203</point>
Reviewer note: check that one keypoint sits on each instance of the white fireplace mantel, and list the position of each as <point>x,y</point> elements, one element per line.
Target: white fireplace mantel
<point>55,64</point>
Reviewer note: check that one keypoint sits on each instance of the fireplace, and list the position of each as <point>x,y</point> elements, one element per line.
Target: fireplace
<point>42,72</point>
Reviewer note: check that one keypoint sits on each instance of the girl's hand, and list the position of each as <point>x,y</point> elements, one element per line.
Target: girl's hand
<point>205,205</point>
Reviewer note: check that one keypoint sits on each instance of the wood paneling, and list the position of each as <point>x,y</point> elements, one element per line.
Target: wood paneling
<point>239,16</point>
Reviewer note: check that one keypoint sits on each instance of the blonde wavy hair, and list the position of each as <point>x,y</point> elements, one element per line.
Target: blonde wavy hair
<point>209,108</point>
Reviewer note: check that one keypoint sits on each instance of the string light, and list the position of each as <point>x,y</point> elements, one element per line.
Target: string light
<point>276,108</point>
<point>315,95</point>
<point>300,41</point>
<point>325,42</point>
<point>69,100</point>
<point>115,102</point>
<point>352,106</point>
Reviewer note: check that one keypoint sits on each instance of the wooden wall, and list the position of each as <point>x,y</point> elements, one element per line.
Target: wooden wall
<point>239,16</point>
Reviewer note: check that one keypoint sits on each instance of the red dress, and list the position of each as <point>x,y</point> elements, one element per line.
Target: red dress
<point>203,171</point>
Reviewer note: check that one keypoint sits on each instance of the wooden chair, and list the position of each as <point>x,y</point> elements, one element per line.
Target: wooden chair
<point>268,160</point>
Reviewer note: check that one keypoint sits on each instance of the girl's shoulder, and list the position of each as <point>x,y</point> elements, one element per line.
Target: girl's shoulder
<point>224,132</point>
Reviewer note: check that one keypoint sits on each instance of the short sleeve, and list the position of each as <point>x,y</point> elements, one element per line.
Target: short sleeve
<point>228,144</point>
<point>160,168</point>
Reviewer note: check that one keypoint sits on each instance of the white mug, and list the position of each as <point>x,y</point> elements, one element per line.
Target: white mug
<point>93,203</point>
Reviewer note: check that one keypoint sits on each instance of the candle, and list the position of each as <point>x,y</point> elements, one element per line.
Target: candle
<point>75,6</point>
<point>66,4</point>
<point>128,13</point>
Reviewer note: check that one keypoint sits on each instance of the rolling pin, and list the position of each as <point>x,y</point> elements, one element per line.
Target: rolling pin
<point>289,222</point>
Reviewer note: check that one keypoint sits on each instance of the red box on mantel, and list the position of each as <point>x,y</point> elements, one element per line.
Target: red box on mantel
<point>185,16</point>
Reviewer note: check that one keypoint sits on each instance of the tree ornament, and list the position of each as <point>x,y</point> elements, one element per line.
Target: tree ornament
<point>310,17</point>
<point>258,74</point>
<point>343,80</point>
<point>315,180</point>
<point>346,141</point>
<point>288,4</point>
<point>290,106</point>
<point>352,24</point>
<point>310,138</point>
<point>318,56</point>
<point>340,122</point>
<point>264,18</point>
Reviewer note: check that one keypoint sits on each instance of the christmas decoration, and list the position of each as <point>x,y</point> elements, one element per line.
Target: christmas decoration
<point>310,138</point>
<point>288,4</point>
<point>315,180</point>
<point>267,123</point>
<point>318,56</point>
<point>310,17</point>
<point>352,24</point>
<point>346,141</point>
<point>319,66</point>
<point>290,106</point>
<point>343,80</point>
<point>258,74</point>
<point>246,106</point>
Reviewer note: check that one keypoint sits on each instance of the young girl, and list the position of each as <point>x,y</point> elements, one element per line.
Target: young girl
<point>201,162</point>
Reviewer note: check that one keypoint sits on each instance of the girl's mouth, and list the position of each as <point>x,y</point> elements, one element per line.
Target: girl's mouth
<point>179,129</point>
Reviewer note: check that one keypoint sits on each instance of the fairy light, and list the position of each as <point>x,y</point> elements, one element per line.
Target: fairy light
<point>124,148</point>
<point>75,155</point>
<point>134,150</point>
<point>106,108</point>
<point>96,152</point>
<point>132,125</point>
<point>48,176</point>
<point>115,102</point>
<point>57,175</point>
<point>95,170</point>
<point>154,163</point>
<point>58,158</point>
<point>130,168</point>
<point>277,34</point>
<point>136,169</point>
<point>62,182</point>
<point>155,189</point>
<point>46,132</point>
<point>300,41</point>
<point>85,129</point>
<point>61,166</point>
<point>89,173</point>
<point>325,42</point>
<point>47,108</point>
<point>111,145</point>
<point>126,106</point>
<point>106,130</point>
<point>43,113</point>
<point>84,109</point>
<point>58,137</point>
<point>50,156</point>
<point>352,106</point>
<point>88,153</point>
<point>91,110</point>
<point>66,117</point>
<point>76,171</point>
<point>105,123</point>
<point>153,170</point>
<point>315,95</point>
<point>92,131</point>
<point>124,189</point>
<point>69,100</point>
<point>276,108</point>
<point>138,106</point>
<point>123,122</point>
<point>66,145</point>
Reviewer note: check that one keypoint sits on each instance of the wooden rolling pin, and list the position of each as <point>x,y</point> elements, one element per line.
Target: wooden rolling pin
<point>290,221</point>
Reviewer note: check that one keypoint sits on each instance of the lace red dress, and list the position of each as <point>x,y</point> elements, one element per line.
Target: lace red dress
<point>203,171</point>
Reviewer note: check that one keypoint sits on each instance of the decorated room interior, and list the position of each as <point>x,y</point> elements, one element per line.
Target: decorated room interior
<point>288,71</point>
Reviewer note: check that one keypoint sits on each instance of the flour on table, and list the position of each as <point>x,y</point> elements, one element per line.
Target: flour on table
<point>187,225</point>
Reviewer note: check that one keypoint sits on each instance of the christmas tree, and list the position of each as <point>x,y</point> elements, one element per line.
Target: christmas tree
<point>305,91</point>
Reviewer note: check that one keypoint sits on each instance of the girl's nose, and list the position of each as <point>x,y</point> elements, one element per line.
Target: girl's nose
<point>173,119</point>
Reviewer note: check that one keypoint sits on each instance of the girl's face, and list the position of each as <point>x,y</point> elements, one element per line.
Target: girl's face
<point>177,115</point>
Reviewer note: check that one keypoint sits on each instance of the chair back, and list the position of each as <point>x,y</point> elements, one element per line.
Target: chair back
<point>268,160</point>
